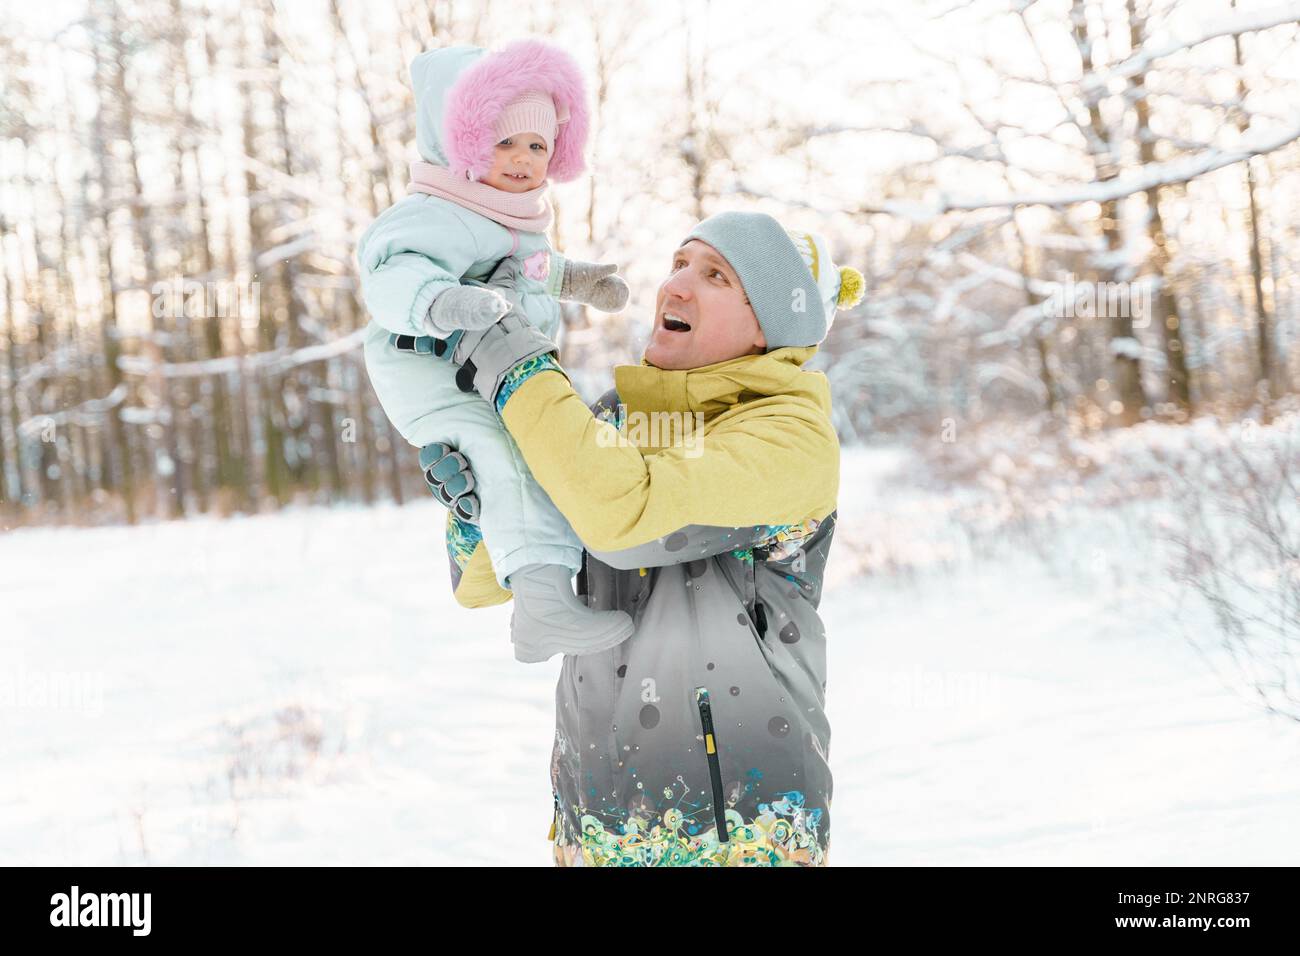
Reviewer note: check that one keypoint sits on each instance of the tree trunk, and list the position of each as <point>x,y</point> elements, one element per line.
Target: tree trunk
<point>1267,389</point>
<point>1177,375</point>
<point>1127,366</point>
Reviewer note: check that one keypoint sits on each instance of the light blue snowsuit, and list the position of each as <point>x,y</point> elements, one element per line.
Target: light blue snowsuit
<point>415,249</point>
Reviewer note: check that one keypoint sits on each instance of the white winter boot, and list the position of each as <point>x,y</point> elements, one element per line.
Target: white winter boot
<point>550,619</point>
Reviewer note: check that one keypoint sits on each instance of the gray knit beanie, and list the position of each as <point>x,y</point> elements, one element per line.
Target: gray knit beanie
<point>792,285</point>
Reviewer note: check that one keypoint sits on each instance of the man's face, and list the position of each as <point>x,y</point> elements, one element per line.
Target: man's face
<point>703,292</point>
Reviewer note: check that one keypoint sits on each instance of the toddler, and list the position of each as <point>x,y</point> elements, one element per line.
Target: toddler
<point>492,127</point>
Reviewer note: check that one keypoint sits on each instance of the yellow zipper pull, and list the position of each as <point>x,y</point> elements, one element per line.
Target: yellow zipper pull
<point>642,571</point>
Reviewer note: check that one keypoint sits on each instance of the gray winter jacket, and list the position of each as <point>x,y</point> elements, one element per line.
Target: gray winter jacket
<point>702,739</point>
<point>728,635</point>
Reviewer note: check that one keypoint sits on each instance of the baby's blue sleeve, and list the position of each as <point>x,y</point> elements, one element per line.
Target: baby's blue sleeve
<point>412,252</point>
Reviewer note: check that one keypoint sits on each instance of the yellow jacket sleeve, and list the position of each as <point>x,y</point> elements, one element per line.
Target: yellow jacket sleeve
<point>772,461</point>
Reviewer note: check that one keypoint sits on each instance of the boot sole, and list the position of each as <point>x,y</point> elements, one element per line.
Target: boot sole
<point>615,638</point>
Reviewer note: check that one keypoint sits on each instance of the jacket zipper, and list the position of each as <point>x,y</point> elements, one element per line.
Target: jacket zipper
<point>759,553</point>
<point>715,769</point>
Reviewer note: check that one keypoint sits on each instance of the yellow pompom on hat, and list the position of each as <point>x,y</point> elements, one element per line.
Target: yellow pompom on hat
<point>841,287</point>
<point>852,287</point>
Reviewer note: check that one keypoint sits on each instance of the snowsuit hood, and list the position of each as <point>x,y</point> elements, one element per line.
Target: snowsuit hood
<point>461,90</point>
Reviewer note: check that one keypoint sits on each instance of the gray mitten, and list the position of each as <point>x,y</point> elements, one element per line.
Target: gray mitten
<point>486,356</point>
<point>464,307</point>
<point>595,284</point>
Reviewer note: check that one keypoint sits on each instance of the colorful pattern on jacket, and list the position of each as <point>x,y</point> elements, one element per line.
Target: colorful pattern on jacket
<point>521,373</point>
<point>783,833</point>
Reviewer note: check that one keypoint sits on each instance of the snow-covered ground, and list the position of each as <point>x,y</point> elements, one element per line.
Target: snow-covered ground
<point>301,688</point>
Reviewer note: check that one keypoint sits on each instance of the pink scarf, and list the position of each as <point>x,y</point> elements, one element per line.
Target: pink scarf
<point>530,211</point>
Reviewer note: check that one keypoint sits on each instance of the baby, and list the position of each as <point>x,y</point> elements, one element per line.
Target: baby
<point>491,129</point>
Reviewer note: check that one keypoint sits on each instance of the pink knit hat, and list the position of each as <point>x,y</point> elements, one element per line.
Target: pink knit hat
<point>533,112</point>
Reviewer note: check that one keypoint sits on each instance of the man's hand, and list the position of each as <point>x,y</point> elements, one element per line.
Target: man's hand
<point>595,284</point>
<point>487,356</point>
<point>450,479</point>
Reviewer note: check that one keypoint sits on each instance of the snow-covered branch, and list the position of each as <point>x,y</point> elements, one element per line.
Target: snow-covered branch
<point>1180,170</point>
<point>80,414</point>
<point>1247,21</point>
<point>277,360</point>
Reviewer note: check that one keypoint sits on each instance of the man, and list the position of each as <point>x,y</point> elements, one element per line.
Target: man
<point>702,739</point>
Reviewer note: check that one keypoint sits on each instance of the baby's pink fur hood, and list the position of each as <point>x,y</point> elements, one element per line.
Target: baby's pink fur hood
<point>489,84</point>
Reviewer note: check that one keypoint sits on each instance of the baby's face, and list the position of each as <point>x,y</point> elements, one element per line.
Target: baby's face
<point>519,163</point>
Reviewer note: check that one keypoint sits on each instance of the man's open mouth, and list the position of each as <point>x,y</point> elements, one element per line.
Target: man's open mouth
<point>675,323</point>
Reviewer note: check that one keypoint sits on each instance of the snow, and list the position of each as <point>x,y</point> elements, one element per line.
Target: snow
<point>276,360</point>
<point>88,412</point>
<point>1152,175</point>
<point>301,688</point>
<point>1126,346</point>
<point>1246,21</point>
